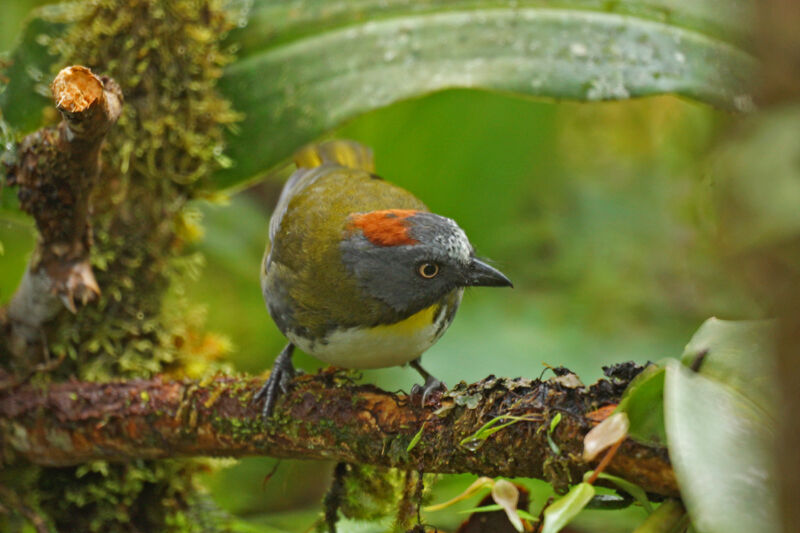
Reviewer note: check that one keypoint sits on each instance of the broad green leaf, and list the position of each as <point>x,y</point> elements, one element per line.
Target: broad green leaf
<point>561,512</point>
<point>29,74</point>
<point>307,67</point>
<point>720,445</point>
<point>738,354</point>
<point>643,401</point>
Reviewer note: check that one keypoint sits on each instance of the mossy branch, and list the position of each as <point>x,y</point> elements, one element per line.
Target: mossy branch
<point>326,416</point>
<point>56,171</point>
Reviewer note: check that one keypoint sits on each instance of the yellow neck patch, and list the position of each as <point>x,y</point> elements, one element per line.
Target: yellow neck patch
<point>417,321</point>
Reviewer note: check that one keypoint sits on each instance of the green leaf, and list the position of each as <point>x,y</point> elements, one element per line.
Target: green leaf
<point>643,401</point>
<point>720,445</point>
<point>554,423</point>
<point>308,67</point>
<point>484,509</point>
<point>550,442</point>
<point>636,492</point>
<point>485,431</point>
<point>490,428</point>
<point>561,512</point>
<point>738,354</point>
<point>416,438</point>
<point>670,517</point>
<point>29,76</point>
<point>305,67</point>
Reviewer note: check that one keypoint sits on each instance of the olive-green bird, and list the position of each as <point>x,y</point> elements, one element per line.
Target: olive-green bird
<point>358,272</point>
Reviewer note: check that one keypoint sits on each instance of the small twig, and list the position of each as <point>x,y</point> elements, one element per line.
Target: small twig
<point>604,462</point>
<point>333,499</point>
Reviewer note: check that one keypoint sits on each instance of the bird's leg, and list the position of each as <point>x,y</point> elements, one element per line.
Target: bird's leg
<point>431,383</point>
<point>282,373</point>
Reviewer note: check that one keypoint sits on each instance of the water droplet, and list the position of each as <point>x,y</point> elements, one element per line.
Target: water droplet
<point>744,103</point>
<point>473,445</point>
<point>607,89</point>
<point>578,49</point>
<point>680,58</point>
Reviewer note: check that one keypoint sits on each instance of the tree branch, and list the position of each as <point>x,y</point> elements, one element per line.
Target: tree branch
<point>56,171</point>
<point>325,416</point>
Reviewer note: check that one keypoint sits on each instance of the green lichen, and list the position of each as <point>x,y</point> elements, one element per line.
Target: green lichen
<point>166,56</point>
<point>371,492</point>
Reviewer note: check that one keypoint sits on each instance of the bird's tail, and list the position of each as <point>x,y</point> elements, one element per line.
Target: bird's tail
<point>340,152</point>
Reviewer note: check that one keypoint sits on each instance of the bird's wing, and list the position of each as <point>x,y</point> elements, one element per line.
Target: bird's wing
<point>313,161</point>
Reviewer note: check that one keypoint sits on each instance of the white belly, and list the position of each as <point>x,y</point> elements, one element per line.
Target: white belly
<point>380,346</point>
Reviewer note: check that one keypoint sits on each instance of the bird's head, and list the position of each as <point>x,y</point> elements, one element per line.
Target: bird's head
<point>410,259</point>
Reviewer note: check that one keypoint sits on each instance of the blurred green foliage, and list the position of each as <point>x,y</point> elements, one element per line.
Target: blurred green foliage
<point>591,209</point>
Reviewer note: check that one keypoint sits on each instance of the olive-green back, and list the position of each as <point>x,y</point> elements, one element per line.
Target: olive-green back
<point>307,234</point>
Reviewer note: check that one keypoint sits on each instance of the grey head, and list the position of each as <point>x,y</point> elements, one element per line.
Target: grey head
<point>410,260</point>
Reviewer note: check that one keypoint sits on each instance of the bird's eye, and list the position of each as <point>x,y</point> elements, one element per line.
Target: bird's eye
<point>428,270</point>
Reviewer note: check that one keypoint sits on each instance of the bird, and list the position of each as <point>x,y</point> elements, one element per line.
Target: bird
<point>357,272</point>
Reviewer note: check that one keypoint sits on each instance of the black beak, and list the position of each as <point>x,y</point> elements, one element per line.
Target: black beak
<point>482,275</point>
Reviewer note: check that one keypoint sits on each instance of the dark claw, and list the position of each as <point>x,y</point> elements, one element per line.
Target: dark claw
<point>432,386</point>
<point>279,381</point>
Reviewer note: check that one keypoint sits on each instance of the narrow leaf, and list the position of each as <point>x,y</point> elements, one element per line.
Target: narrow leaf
<point>490,428</point>
<point>478,485</point>
<point>561,512</point>
<point>550,442</point>
<point>484,509</point>
<point>416,438</point>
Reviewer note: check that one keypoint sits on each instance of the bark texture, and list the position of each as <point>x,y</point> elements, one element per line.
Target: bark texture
<point>56,171</point>
<point>325,416</point>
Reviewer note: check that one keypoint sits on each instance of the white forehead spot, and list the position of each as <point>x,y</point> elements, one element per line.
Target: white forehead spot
<point>454,242</point>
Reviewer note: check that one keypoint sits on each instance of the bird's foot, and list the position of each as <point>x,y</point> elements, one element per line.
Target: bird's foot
<point>431,390</point>
<point>279,381</point>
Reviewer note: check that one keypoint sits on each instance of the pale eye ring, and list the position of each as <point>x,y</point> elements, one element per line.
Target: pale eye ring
<point>428,270</point>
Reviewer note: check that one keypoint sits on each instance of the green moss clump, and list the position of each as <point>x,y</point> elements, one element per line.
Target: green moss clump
<point>167,57</point>
<point>371,492</point>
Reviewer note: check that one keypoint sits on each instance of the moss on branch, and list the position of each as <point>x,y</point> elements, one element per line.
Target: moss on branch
<point>326,417</point>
